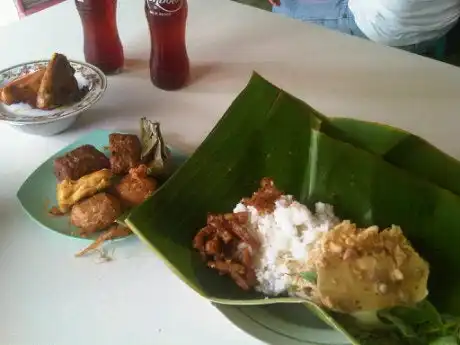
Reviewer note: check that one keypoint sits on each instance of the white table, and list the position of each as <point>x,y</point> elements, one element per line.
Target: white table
<point>50,298</point>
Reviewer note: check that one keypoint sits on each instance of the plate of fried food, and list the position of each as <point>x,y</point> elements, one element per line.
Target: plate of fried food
<point>87,189</point>
<point>45,96</point>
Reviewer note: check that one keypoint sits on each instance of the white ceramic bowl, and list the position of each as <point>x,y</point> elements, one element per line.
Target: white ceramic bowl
<point>49,122</point>
<point>49,128</point>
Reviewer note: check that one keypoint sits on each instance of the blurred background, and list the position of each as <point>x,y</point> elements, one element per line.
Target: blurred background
<point>13,10</point>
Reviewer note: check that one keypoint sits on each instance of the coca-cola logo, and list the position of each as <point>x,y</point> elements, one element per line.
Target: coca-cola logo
<point>169,6</point>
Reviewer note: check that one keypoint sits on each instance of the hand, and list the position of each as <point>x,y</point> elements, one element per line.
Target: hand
<point>274,2</point>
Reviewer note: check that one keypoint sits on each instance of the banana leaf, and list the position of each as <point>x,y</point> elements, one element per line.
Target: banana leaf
<point>267,132</point>
<point>402,149</point>
<point>368,190</point>
<point>396,146</point>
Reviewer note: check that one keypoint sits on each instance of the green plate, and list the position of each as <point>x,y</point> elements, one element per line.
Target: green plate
<point>282,324</point>
<point>38,193</point>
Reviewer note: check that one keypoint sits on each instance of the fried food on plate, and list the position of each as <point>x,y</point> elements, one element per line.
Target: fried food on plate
<point>58,86</point>
<point>95,213</point>
<point>226,246</point>
<point>69,192</point>
<point>80,162</point>
<point>23,89</point>
<point>135,187</point>
<point>125,152</point>
<point>114,231</point>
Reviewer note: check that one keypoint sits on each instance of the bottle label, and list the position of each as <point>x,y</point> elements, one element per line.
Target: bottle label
<point>164,7</point>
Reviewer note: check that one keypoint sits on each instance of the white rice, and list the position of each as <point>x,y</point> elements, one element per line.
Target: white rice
<point>286,237</point>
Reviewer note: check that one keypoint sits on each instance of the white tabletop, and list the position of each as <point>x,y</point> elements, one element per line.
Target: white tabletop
<point>50,298</point>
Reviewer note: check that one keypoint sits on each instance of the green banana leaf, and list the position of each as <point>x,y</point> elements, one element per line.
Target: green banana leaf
<point>267,132</point>
<point>402,149</point>
<point>368,190</point>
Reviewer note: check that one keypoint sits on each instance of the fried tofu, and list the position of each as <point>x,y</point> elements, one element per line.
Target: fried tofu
<point>82,161</point>
<point>125,152</point>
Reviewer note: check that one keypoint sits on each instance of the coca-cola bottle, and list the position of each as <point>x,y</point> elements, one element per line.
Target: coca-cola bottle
<point>169,64</point>
<point>102,45</point>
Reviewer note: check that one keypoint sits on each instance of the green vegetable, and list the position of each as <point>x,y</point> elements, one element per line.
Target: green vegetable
<point>309,276</point>
<point>418,325</point>
<point>422,324</point>
<point>154,151</point>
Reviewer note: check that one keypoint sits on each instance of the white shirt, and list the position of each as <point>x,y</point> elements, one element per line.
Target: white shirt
<point>404,22</point>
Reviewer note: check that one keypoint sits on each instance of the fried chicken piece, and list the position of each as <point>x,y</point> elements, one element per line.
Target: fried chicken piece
<point>95,213</point>
<point>125,152</point>
<point>135,187</point>
<point>69,192</point>
<point>58,86</point>
<point>23,89</point>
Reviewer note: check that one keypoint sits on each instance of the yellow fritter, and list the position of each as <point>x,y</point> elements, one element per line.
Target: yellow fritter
<point>69,192</point>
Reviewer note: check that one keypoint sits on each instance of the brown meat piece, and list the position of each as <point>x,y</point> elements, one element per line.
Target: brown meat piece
<point>58,86</point>
<point>200,239</point>
<point>125,152</point>
<point>227,244</point>
<point>95,213</point>
<point>80,162</point>
<point>135,187</point>
<point>233,223</point>
<point>213,247</point>
<point>236,271</point>
<point>265,197</point>
<point>219,244</point>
